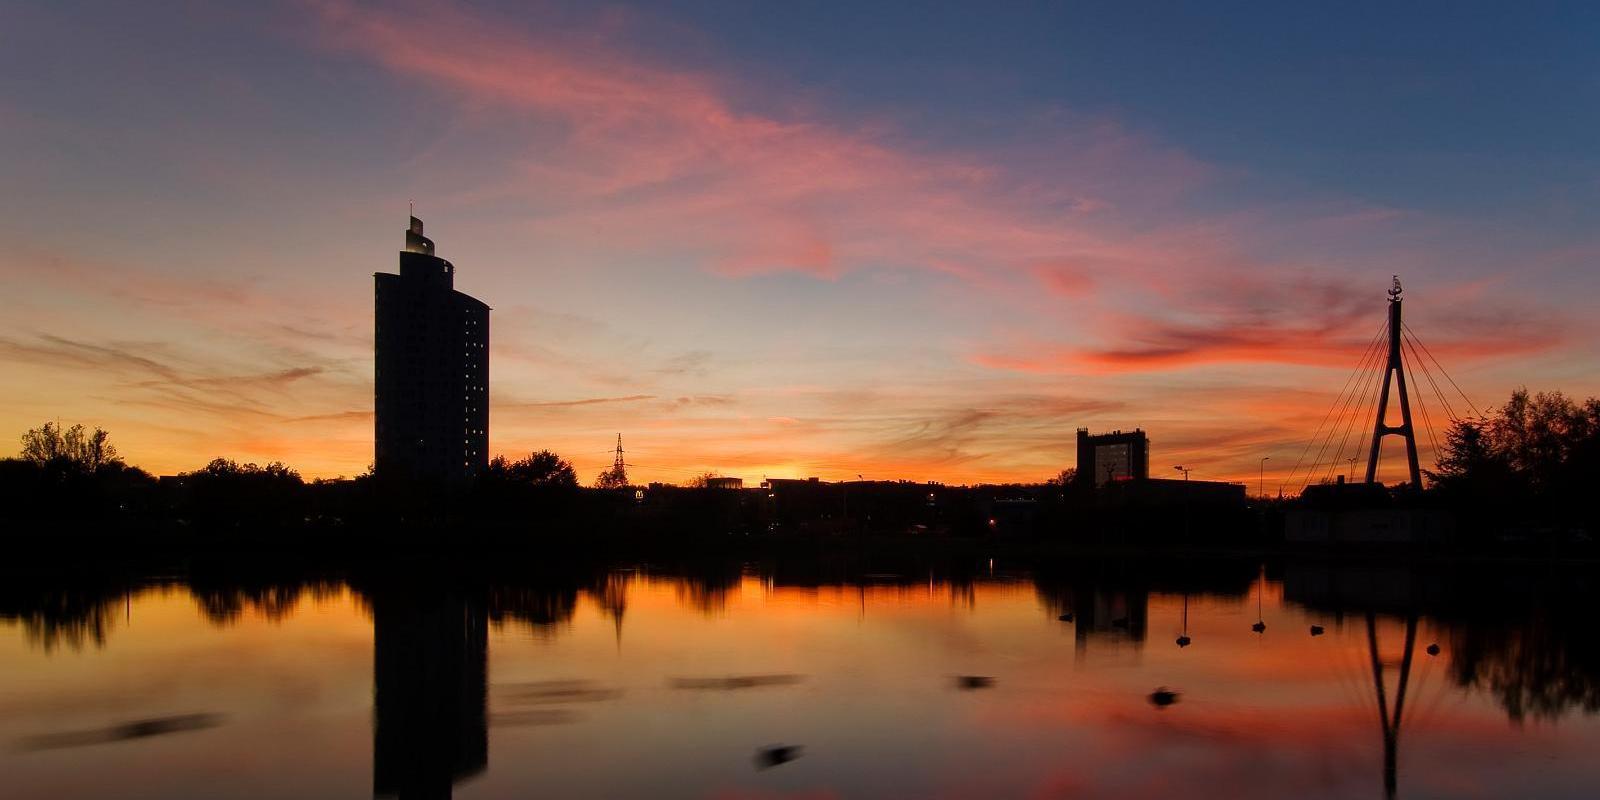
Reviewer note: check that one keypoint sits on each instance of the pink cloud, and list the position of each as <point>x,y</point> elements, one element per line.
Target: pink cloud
<point>659,156</point>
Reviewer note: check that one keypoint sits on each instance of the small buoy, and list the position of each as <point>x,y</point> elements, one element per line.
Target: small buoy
<point>1163,697</point>
<point>1433,649</point>
<point>1065,617</point>
<point>1183,641</point>
<point>1259,626</point>
<point>974,681</point>
<point>1316,630</point>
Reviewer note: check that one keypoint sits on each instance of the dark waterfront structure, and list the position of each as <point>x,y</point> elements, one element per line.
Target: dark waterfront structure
<point>431,352</point>
<point>1114,456</point>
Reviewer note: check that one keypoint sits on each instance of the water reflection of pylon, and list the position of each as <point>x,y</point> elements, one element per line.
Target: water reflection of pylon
<point>613,600</point>
<point>1391,724</point>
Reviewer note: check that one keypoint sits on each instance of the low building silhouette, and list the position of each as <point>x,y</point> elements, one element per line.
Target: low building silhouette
<point>431,360</point>
<point>1363,513</point>
<point>1172,492</point>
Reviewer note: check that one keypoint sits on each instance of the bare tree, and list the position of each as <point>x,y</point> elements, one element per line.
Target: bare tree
<point>74,447</point>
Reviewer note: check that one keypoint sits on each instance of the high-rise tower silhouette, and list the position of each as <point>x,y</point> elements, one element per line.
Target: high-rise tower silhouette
<point>431,354</point>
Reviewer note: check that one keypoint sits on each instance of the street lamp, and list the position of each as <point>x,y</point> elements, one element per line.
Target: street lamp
<point>1261,477</point>
<point>1185,471</point>
<point>1350,477</point>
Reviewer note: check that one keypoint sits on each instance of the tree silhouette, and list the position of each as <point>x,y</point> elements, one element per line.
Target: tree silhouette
<point>612,478</point>
<point>74,449</point>
<point>71,476</point>
<point>1530,461</point>
<point>542,468</point>
<point>227,492</point>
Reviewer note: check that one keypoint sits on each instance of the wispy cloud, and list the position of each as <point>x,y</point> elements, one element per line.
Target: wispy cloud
<point>504,405</point>
<point>1304,323</point>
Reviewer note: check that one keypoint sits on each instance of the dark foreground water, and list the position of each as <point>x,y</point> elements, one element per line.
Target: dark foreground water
<point>777,679</point>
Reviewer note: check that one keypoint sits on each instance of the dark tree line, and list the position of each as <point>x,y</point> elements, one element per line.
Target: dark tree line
<point>69,476</point>
<point>73,479</point>
<point>1525,469</point>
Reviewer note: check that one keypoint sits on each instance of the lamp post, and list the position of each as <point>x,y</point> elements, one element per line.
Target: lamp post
<point>1261,478</point>
<point>1350,476</point>
<point>1185,472</point>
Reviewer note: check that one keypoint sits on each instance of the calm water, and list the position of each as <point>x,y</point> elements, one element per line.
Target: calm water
<point>647,681</point>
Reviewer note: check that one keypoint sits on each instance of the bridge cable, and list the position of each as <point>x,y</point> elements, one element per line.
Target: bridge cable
<point>1366,411</point>
<point>1422,405</point>
<point>1342,421</point>
<point>1334,414</point>
<point>1442,370</point>
<point>1316,434</point>
<point>1364,371</point>
<point>1427,373</point>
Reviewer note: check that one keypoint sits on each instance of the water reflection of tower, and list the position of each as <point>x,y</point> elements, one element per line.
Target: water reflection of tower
<point>1389,719</point>
<point>430,676</point>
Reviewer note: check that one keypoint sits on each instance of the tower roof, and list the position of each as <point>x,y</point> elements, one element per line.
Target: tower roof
<point>415,241</point>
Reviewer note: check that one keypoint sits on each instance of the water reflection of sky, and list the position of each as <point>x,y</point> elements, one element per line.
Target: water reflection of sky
<point>641,683</point>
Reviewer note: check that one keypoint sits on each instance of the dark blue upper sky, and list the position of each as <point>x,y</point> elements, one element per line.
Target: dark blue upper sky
<point>1469,106</point>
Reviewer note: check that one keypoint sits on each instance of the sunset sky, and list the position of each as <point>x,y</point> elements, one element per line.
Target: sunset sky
<point>792,239</point>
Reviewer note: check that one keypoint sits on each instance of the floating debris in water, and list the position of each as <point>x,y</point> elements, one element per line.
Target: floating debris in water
<point>736,682</point>
<point>534,716</point>
<point>1163,697</point>
<point>550,692</point>
<point>1316,630</point>
<point>769,757</point>
<point>1259,626</point>
<point>974,682</point>
<point>137,729</point>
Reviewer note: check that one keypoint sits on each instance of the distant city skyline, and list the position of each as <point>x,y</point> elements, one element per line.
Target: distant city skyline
<point>893,241</point>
